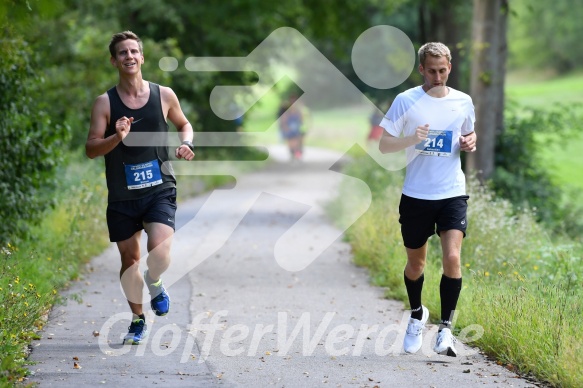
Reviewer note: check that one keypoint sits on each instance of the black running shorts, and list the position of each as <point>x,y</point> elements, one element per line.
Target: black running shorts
<point>125,218</point>
<point>421,218</point>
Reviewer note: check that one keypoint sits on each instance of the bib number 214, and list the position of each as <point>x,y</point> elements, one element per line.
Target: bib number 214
<point>438,143</point>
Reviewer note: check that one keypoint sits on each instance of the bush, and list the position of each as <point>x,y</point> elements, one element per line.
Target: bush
<point>521,176</point>
<point>31,145</point>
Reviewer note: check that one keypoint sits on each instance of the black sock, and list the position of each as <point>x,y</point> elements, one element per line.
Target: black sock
<point>449,291</point>
<point>136,316</point>
<point>414,288</point>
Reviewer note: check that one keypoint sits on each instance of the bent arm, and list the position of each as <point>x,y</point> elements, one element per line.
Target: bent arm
<point>96,144</point>
<point>468,142</point>
<point>390,143</point>
<point>183,126</point>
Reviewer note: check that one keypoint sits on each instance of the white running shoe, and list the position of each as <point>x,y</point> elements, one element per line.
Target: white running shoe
<point>445,343</point>
<point>414,335</point>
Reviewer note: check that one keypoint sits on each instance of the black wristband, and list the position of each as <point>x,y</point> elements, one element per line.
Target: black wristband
<point>189,144</point>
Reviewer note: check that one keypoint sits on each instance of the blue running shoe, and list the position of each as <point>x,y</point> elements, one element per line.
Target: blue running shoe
<point>138,331</point>
<point>160,302</point>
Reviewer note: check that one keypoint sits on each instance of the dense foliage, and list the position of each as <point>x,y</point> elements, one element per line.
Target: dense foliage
<point>522,177</point>
<point>541,39</point>
<point>31,144</point>
<point>53,67</point>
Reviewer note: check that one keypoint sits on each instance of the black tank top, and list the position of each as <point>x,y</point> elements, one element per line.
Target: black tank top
<point>136,172</point>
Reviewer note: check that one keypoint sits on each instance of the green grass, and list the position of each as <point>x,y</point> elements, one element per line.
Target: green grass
<point>520,287</point>
<point>542,92</point>
<point>565,158</point>
<point>566,161</point>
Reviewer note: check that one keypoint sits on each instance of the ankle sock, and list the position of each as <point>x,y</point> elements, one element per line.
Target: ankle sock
<point>136,317</point>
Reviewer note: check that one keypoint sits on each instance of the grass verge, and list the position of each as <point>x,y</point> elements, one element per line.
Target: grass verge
<point>32,271</point>
<point>522,289</point>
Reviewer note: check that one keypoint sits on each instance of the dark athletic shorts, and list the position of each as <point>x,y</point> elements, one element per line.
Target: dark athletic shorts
<point>125,218</point>
<point>421,218</point>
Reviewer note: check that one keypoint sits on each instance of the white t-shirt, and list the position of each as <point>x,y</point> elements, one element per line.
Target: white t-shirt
<point>433,167</point>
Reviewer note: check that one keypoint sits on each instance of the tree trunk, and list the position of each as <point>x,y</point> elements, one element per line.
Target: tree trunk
<point>502,56</point>
<point>487,80</point>
<point>447,25</point>
<point>421,22</point>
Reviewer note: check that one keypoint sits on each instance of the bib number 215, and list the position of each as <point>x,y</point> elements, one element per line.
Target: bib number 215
<point>143,175</point>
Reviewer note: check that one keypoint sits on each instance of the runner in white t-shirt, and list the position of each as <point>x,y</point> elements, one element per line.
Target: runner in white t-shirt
<point>433,123</point>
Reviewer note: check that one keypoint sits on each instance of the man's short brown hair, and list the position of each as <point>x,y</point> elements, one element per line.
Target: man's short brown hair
<point>120,37</point>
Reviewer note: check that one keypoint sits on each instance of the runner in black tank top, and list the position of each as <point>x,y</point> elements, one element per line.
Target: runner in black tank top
<point>140,195</point>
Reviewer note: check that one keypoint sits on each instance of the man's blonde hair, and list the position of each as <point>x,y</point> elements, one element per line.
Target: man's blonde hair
<point>435,49</point>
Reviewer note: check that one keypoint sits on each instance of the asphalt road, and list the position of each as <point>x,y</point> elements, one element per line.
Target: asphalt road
<point>264,293</point>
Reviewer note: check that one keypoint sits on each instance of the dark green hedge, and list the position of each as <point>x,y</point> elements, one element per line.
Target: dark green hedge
<point>31,147</point>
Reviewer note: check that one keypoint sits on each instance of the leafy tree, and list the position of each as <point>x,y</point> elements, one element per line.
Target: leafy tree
<point>75,61</point>
<point>422,21</point>
<point>75,57</point>
<point>543,36</point>
<point>73,48</point>
<point>235,28</point>
<point>450,25</point>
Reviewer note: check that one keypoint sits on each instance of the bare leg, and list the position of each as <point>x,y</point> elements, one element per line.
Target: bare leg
<point>159,244</point>
<point>130,276</point>
<point>451,246</point>
<point>415,262</point>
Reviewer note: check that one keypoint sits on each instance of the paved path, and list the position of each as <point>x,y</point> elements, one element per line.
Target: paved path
<point>252,323</point>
